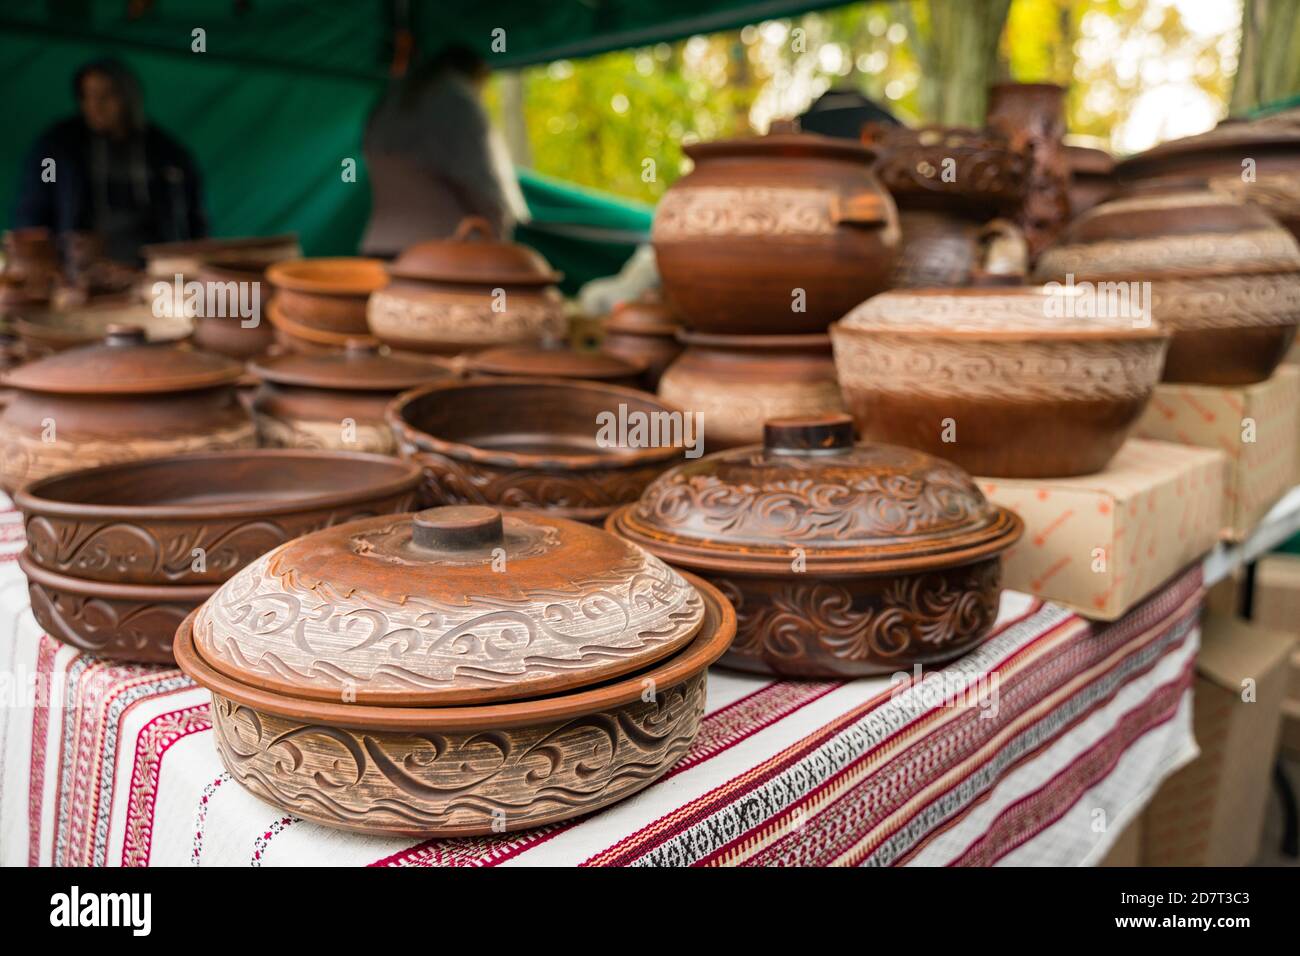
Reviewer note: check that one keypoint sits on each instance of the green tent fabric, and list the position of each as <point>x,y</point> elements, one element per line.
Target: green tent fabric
<point>274,107</point>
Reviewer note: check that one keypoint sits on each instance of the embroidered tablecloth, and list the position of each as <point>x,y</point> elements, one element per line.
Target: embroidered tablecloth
<point>1037,748</point>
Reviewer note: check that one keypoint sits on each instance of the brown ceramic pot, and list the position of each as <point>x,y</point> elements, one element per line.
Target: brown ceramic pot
<point>1031,118</point>
<point>841,560</point>
<point>469,292</point>
<point>1224,277</point>
<point>949,185</point>
<point>118,555</point>
<point>324,300</point>
<point>529,443</point>
<point>32,261</point>
<point>335,400</point>
<point>737,382</point>
<point>121,400</point>
<point>1013,383</point>
<point>1092,177</point>
<point>643,331</point>
<point>1256,162</point>
<point>779,234</point>
<point>232,335</point>
<point>560,362</point>
<point>459,671</point>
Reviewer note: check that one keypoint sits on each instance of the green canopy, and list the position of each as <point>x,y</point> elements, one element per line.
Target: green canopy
<point>273,107</point>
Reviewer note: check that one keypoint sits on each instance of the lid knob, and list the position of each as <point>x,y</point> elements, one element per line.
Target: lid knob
<point>123,334</point>
<point>457,528</point>
<point>819,433</point>
<point>357,347</point>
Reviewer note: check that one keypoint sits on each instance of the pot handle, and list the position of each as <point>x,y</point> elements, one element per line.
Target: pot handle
<point>1005,253</point>
<point>861,209</point>
<point>472,226</point>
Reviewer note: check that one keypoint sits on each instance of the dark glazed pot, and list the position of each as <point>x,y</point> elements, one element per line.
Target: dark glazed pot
<point>842,560</point>
<point>765,225</point>
<point>527,443</point>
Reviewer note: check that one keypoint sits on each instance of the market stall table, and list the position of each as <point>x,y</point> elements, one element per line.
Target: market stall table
<point>1037,748</point>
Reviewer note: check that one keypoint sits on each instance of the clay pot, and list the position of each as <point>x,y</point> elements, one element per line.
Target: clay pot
<point>841,560</point>
<point>32,259</point>
<point>228,335</point>
<point>565,363</point>
<point>335,400</point>
<point>471,700</point>
<point>469,292</point>
<point>779,234</point>
<point>117,556</point>
<point>166,260</point>
<point>528,443</point>
<point>737,382</point>
<point>121,400</point>
<point>1224,277</point>
<point>950,185</point>
<point>48,330</point>
<point>323,301</point>
<point>1014,383</point>
<point>644,332</point>
<point>1031,118</point>
<point>1092,177</point>
<point>1254,162</point>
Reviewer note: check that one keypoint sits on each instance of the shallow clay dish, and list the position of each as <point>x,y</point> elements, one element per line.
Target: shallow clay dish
<point>54,330</point>
<point>426,691</point>
<point>167,259</point>
<point>536,362</point>
<point>116,556</point>
<point>121,400</point>
<point>527,443</point>
<point>1225,277</point>
<point>335,400</point>
<point>842,560</point>
<point>759,221</point>
<point>737,382</point>
<point>469,292</point>
<point>1003,382</point>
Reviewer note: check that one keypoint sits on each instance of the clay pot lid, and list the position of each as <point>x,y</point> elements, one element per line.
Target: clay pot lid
<point>783,142</point>
<point>809,499</point>
<point>454,605</point>
<point>1089,160</point>
<point>125,363</point>
<point>362,365</point>
<point>987,171</point>
<point>648,315</point>
<point>1170,229</point>
<point>525,362</point>
<point>344,275</point>
<point>474,255</point>
<point>1232,135</point>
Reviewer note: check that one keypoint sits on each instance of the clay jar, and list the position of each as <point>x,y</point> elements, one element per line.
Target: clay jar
<point>1224,277</point>
<point>643,331</point>
<point>336,400</point>
<point>841,560</point>
<point>780,234</point>
<point>121,400</point>
<point>1014,383</point>
<point>737,382</point>
<point>425,690</point>
<point>950,184</point>
<point>469,292</point>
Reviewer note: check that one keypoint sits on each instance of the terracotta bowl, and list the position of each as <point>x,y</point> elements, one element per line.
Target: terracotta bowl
<point>464,770</point>
<point>737,382</point>
<point>996,380</point>
<point>526,443</point>
<point>566,363</point>
<point>118,554</point>
<point>326,295</point>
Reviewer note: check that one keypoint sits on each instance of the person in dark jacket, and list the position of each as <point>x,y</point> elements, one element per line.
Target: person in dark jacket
<point>113,173</point>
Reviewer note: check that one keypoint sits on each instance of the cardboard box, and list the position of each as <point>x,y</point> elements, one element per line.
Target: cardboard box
<point>1100,543</point>
<point>1127,850</point>
<point>1209,416</point>
<point>1211,812</point>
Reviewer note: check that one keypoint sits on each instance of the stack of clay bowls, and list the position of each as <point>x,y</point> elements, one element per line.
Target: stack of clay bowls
<point>320,304</point>
<point>643,331</point>
<point>764,244</point>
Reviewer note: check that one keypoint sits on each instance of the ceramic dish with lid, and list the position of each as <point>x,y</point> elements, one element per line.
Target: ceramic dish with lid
<point>460,671</point>
<point>530,443</point>
<point>842,560</point>
<point>335,400</point>
<point>468,292</point>
<point>1007,382</point>
<point>116,556</point>
<point>643,331</point>
<point>120,400</point>
<point>1224,277</point>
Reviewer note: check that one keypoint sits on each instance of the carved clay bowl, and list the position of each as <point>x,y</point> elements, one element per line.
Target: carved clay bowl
<point>527,443</point>
<point>841,560</point>
<point>475,701</point>
<point>1005,382</point>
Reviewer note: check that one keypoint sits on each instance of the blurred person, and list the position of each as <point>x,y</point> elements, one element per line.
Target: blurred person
<point>433,157</point>
<point>115,174</point>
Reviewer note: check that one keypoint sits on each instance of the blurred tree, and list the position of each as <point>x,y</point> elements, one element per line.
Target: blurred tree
<point>957,44</point>
<point>1269,67</point>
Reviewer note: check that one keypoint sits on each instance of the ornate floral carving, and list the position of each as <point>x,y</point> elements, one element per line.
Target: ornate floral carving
<point>1210,253</point>
<point>729,422</point>
<point>949,161</point>
<point>1277,192</point>
<point>125,629</point>
<point>711,211</point>
<point>273,432</point>
<point>445,317</point>
<point>458,783</point>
